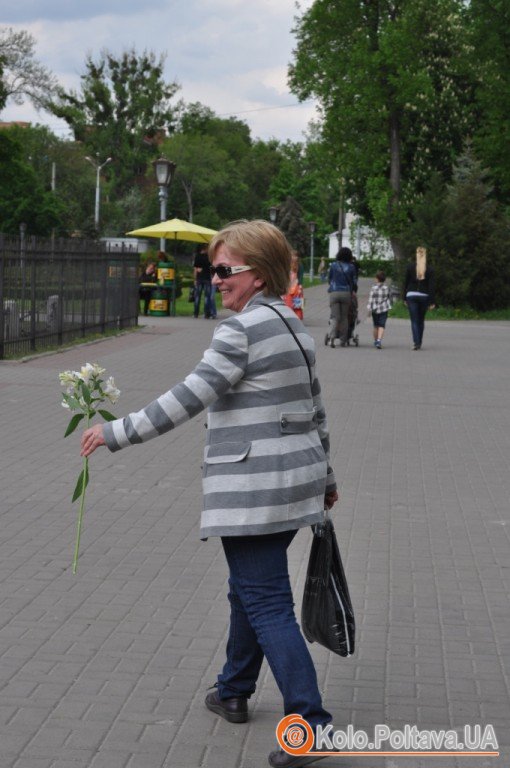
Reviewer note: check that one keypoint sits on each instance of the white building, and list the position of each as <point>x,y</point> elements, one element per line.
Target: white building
<point>138,245</point>
<point>364,242</point>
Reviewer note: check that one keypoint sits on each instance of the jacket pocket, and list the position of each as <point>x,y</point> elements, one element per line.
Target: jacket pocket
<point>226,453</point>
<point>297,422</point>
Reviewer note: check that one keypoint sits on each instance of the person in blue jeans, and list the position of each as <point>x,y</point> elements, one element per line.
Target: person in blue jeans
<point>202,278</point>
<point>266,469</point>
<point>419,292</point>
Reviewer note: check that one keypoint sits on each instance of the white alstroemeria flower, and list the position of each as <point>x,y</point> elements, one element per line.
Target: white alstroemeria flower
<point>111,391</point>
<point>86,372</point>
<point>84,390</point>
<point>98,371</point>
<point>67,377</point>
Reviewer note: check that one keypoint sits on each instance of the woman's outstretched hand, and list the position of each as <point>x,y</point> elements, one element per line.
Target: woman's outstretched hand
<point>91,439</point>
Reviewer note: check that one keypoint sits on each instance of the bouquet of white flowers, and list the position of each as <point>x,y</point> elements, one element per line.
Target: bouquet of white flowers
<point>85,391</point>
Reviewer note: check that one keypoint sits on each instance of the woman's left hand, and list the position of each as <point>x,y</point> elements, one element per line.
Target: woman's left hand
<point>330,499</point>
<point>91,439</point>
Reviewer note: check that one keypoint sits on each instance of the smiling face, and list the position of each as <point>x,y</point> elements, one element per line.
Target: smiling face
<point>237,289</point>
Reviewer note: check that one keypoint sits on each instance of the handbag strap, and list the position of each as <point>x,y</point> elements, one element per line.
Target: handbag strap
<point>295,339</point>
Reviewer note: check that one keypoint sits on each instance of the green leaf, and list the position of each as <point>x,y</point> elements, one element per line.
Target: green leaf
<point>86,392</point>
<point>74,423</point>
<point>83,481</point>
<point>72,402</point>
<point>107,416</point>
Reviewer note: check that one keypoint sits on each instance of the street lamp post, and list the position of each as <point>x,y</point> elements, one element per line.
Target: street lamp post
<point>98,166</point>
<point>311,227</point>
<point>164,170</point>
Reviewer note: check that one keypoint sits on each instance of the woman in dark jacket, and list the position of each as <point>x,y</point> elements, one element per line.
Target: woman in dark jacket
<point>419,294</point>
<point>342,283</point>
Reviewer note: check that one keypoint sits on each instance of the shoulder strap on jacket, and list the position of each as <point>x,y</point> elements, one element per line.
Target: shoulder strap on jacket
<point>295,338</point>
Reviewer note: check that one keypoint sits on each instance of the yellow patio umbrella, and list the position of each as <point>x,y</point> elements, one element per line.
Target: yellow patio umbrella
<point>176,229</point>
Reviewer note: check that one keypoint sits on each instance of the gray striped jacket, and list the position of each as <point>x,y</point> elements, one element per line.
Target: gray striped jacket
<point>266,455</point>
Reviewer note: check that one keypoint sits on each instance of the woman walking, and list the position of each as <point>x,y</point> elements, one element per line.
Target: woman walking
<point>419,294</point>
<point>342,283</point>
<point>266,468</point>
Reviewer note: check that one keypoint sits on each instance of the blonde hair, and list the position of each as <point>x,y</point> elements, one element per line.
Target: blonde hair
<point>262,246</point>
<point>421,262</point>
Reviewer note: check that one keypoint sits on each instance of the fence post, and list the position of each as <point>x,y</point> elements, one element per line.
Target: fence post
<point>60,327</point>
<point>33,302</point>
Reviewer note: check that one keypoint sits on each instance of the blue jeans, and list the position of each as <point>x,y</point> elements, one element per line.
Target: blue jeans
<point>262,623</point>
<point>205,288</point>
<point>417,306</point>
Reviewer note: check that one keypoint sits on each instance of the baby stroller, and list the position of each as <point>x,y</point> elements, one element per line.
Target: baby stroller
<point>353,322</point>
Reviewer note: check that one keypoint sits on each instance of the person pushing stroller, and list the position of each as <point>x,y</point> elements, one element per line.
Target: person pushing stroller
<point>342,286</point>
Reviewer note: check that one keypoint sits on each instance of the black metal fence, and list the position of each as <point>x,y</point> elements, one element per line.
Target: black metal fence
<point>54,291</point>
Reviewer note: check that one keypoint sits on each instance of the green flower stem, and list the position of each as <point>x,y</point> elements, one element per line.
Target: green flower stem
<point>82,505</point>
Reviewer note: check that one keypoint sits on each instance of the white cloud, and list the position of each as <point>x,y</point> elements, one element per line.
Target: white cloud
<point>229,54</point>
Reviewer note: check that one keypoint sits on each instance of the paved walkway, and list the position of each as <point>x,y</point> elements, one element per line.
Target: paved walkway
<point>108,668</point>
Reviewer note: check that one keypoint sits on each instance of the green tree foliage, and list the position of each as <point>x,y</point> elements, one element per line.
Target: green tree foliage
<point>21,76</point>
<point>467,236</point>
<point>207,187</point>
<point>490,35</point>
<point>391,81</point>
<point>123,104</point>
<point>307,174</point>
<point>22,195</point>
<point>292,224</point>
<point>75,179</point>
<point>259,169</point>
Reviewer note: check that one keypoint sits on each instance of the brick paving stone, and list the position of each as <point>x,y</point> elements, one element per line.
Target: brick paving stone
<point>109,668</point>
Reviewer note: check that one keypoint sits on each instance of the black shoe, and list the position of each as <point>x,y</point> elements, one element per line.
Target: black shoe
<point>235,710</point>
<point>281,759</point>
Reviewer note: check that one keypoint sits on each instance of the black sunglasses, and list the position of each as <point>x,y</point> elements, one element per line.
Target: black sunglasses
<point>223,272</point>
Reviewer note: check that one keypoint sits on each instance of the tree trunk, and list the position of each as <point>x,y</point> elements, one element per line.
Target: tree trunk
<point>188,188</point>
<point>395,179</point>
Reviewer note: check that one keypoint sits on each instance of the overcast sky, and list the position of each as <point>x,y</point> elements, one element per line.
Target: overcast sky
<point>231,55</point>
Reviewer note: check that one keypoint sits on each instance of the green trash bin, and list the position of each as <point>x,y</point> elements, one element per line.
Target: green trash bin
<point>166,273</point>
<point>158,305</point>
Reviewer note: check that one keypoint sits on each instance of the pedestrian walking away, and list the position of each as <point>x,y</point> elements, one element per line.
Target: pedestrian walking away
<point>419,289</point>
<point>266,466</point>
<point>202,278</point>
<point>379,304</point>
<point>342,284</point>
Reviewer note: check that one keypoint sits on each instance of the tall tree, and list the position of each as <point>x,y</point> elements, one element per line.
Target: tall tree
<point>22,195</point>
<point>74,179</point>
<point>21,76</point>
<point>124,103</point>
<point>292,224</point>
<point>390,79</point>
<point>490,36</point>
<point>207,186</point>
<point>467,237</point>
